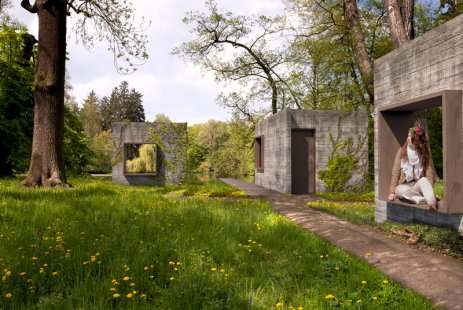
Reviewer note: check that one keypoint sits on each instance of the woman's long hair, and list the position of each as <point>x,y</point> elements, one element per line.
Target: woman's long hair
<point>419,142</point>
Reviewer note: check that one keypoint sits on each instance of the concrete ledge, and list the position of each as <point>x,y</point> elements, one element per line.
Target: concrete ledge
<point>406,213</point>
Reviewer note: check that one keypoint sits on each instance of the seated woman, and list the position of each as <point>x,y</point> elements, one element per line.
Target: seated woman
<point>413,173</point>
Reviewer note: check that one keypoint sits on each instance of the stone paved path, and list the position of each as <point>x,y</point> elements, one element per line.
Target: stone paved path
<point>432,275</point>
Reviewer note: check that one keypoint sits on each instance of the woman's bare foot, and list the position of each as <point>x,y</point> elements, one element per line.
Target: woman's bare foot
<point>433,207</point>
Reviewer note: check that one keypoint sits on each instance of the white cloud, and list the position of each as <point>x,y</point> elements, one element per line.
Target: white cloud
<point>168,85</point>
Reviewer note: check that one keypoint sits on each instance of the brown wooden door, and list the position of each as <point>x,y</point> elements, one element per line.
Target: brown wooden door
<point>302,161</point>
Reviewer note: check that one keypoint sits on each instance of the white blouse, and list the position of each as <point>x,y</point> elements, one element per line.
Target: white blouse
<point>412,167</point>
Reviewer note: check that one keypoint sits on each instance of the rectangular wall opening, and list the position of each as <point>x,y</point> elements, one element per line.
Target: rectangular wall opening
<point>259,153</point>
<point>140,159</point>
<point>393,124</point>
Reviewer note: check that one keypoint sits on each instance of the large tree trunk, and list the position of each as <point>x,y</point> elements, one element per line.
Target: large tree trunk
<point>400,18</point>
<point>47,162</point>
<point>360,49</point>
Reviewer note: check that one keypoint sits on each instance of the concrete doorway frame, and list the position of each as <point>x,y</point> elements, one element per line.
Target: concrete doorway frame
<point>393,123</point>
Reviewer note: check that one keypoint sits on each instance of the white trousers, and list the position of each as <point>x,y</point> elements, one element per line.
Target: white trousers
<point>417,191</point>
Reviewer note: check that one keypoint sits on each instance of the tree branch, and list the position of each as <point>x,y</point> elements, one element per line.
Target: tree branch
<point>27,5</point>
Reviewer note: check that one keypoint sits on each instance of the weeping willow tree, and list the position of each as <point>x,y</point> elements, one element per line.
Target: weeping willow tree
<point>145,163</point>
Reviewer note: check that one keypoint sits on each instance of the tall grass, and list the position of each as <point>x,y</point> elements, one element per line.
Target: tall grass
<point>101,245</point>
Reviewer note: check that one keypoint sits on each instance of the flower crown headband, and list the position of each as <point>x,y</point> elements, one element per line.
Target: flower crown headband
<point>417,131</point>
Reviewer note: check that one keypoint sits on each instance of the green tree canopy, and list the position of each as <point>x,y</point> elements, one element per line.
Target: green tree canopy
<point>16,101</point>
<point>238,48</point>
<point>123,104</point>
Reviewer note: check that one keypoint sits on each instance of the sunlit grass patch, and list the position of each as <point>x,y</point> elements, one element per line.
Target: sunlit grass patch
<point>100,245</point>
<point>359,212</point>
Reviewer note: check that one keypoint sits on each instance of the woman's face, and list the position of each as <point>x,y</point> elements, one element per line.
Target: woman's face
<point>409,139</point>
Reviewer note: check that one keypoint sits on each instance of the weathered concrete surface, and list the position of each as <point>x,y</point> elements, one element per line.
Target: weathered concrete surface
<point>432,275</point>
<point>427,65</point>
<point>173,137</point>
<point>276,133</point>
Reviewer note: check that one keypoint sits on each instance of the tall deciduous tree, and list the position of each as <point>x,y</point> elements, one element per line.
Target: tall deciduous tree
<point>400,17</point>
<point>109,20</point>
<point>338,39</point>
<point>237,48</point>
<point>359,47</point>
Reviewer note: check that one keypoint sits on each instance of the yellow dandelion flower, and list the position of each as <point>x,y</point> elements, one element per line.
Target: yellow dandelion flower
<point>151,277</point>
<point>113,281</point>
<point>279,305</point>
<point>117,295</point>
<point>129,295</point>
<point>300,308</point>
<point>178,263</point>
<point>8,295</point>
<point>146,268</point>
<point>337,268</point>
<point>55,273</point>
<point>126,278</point>
<point>364,282</point>
<point>112,289</point>
<point>374,297</point>
<point>321,256</point>
<point>132,284</point>
<point>171,263</point>
<point>8,273</point>
<point>22,273</point>
<point>34,258</point>
<point>171,278</point>
<point>42,270</point>
<point>213,269</point>
<point>134,292</point>
<point>222,270</point>
<point>93,259</point>
<point>385,281</point>
<point>329,296</point>
<point>143,296</point>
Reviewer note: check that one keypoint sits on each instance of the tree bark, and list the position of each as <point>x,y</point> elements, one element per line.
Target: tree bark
<point>47,162</point>
<point>360,49</point>
<point>400,21</point>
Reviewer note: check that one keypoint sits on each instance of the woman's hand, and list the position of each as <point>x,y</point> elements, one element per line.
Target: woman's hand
<point>391,197</point>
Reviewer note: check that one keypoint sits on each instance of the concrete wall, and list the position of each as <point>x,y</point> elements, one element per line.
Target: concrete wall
<point>170,139</point>
<point>276,130</point>
<point>430,64</point>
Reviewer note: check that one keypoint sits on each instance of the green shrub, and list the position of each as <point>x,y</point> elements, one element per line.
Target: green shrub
<point>339,172</point>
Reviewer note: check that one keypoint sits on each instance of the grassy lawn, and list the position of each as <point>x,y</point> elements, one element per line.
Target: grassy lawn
<point>200,246</point>
<point>359,208</point>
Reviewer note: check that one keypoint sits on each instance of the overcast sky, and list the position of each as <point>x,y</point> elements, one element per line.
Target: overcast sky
<point>168,85</point>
